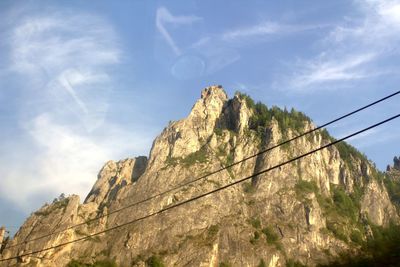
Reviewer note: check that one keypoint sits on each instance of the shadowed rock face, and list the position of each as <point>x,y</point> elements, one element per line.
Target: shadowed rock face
<point>2,236</point>
<point>298,212</point>
<point>396,163</point>
<point>115,175</point>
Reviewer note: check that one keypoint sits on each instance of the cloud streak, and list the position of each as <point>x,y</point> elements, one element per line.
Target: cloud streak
<point>163,17</point>
<point>378,29</point>
<point>353,49</point>
<point>265,29</point>
<point>69,55</point>
<point>329,70</point>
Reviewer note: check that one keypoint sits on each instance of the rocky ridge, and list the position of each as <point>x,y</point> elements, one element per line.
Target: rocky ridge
<point>306,212</point>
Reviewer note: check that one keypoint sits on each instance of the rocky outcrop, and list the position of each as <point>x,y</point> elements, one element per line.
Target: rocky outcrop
<point>115,175</point>
<point>2,234</point>
<point>187,136</point>
<point>377,205</point>
<point>3,239</point>
<point>296,212</point>
<point>396,163</point>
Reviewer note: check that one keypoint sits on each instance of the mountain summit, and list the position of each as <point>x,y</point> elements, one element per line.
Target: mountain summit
<point>305,213</point>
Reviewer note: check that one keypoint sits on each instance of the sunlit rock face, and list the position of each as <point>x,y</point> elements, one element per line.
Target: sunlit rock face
<point>306,211</point>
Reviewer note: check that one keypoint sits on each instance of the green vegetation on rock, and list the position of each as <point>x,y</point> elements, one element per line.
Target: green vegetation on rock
<point>262,263</point>
<point>337,230</point>
<point>255,238</point>
<point>57,204</point>
<point>342,214</point>
<point>213,230</point>
<point>218,131</point>
<point>154,261</point>
<point>248,188</point>
<point>225,264</point>
<point>356,237</point>
<point>393,188</point>
<point>293,263</point>
<point>200,156</point>
<point>347,152</point>
<point>255,222</point>
<point>270,234</point>
<point>172,161</point>
<point>344,204</point>
<point>262,117</point>
<point>382,250</point>
<point>305,187</point>
<point>341,211</point>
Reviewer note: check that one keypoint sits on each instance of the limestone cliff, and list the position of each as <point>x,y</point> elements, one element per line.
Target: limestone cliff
<point>307,212</point>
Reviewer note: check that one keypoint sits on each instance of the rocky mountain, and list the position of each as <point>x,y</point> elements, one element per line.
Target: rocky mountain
<point>304,213</point>
<point>393,181</point>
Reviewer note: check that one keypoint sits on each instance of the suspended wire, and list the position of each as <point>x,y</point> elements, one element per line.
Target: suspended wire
<point>208,174</point>
<point>205,194</point>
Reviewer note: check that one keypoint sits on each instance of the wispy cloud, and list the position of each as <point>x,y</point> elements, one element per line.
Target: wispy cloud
<point>264,28</point>
<point>163,17</point>
<point>222,49</point>
<point>68,55</point>
<point>267,28</point>
<point>323,70</point>
<point>64,61</point>
<point>195,57</point>
<point>381,22</point>
<point>353,47</point>
<point>212,52</point>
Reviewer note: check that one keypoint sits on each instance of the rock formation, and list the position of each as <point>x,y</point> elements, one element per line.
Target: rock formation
<point>308,211</point>
<point>2,234</point>
<point>396,163</point>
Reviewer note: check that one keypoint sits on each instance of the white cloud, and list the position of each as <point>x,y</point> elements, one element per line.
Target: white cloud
<point>379,26</point>
<point>65,159</point>
<point>57,40</point>
<point>323,70</point>
<point>352,50</point>
<point>215,49</point>
<point>265,29</point>
<point>388,11</point>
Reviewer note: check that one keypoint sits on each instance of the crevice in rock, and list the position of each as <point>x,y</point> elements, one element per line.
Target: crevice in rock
<point>139,168</point>
<point>261,159</point>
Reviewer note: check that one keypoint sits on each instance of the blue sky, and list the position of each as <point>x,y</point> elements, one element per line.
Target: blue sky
<point>82,82</point>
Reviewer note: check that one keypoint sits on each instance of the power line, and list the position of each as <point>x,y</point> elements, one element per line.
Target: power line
<point>211,173</point>
<point>207,193</point>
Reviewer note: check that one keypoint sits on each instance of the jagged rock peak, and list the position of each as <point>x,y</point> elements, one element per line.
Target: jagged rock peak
<point>188,135</point>
<point>396,165</point>
<point>214,91</point>
<point>326,202</point>
<point>209,106</point>
<point>115,175</point>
